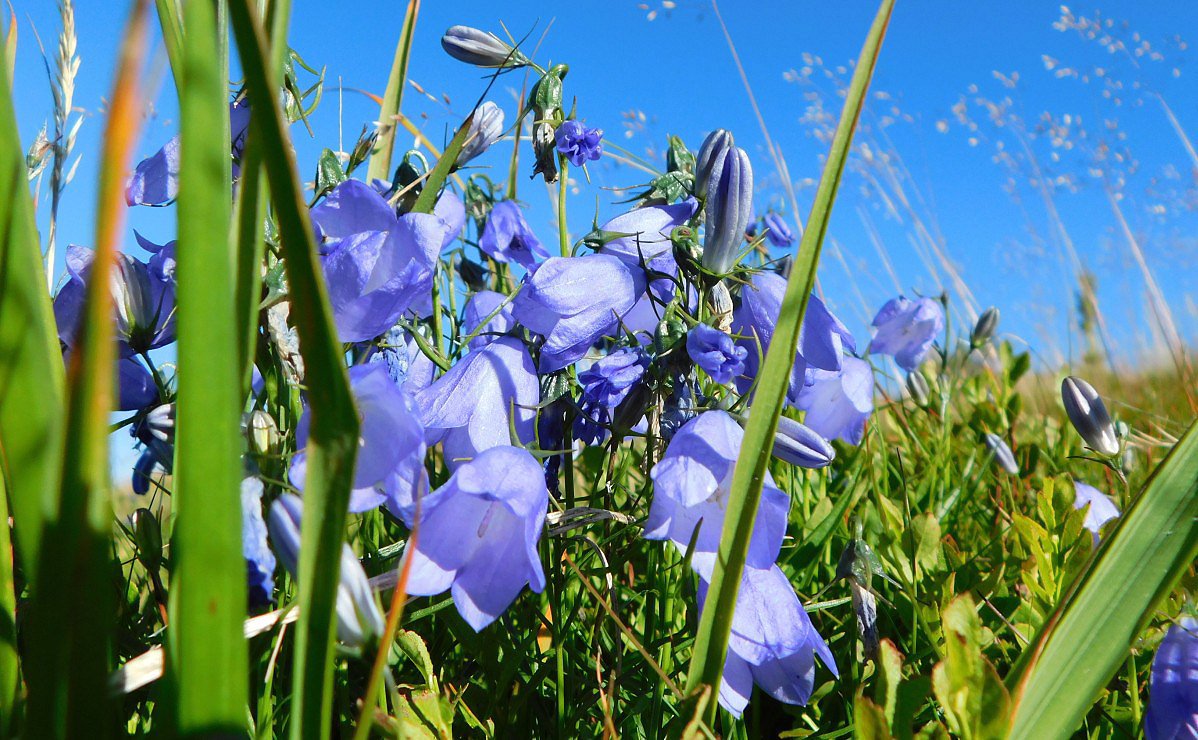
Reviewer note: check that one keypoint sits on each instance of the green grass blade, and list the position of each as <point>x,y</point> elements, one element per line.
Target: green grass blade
<point>334,431</point>
<point>1086,640</point>
<point>9,660</point>
<point>172,36</point>
<point>442,169</point>
<point>208,652</point>
<point>380,158</point>
<point>711,640</point>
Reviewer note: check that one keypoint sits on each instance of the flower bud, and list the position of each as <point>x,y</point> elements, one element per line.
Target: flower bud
<point>720,302</point>
<point>799,445</point>
<point>473,274</point>
<point>262,432</point>
<point>147,534</point>
<point>482,49</point>
<point>984,329</point>
<point>678,157</point>
<point>1002,453</point>
<point>917,386</point>
<point>711,159</point>
<point>486,127</point>
<point>727,211</point>
<point>546,96</point>
<point>1089,416</point>
<point>671,331</point>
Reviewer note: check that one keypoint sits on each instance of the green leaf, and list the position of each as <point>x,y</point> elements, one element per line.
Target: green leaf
<point>9,661</point>
<point>414,648</point>
<point>711,640</point>
<point>329,173</point>
<point>975,702</point>
<point>380,158</point>
<point>1087,637</point>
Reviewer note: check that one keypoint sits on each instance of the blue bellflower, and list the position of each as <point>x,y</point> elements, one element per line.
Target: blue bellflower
<point>778,233</point>
<point>478,535</point>
<point>1101,511</point>
<point>259,560</point>
<point>839,403</point>
<point>155,432</point>
<point>645,234</point>
<point>452,211</point>
<point>605,385</point>
<point>484,304</point>
<point>906,329</point>
<point>716,352</point>
<point>578,143</point>
<point>407,366</point>
<point>507,237</point>
<point>1173,691</point>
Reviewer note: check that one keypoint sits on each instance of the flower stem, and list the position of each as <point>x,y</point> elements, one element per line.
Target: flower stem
<point>563,232</point>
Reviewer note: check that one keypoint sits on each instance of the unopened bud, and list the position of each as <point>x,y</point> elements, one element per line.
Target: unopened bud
<point>262,432</point>
<point>711,159</point>
<point>727,211</point>
<point>486,127</point>
<point>1089,416</point>
<point>147,534</point>
<point>1002,453</point>
<point>984,329</point>
<point>473,274</point>
<point>799,445</point>
<point>482,49</point>
<point>917,386</point>
<point>671,332</point>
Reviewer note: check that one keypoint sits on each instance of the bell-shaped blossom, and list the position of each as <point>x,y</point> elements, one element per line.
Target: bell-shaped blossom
<point>476,405</point>
<point>605,385</point>
<point>716,352</point>
<point>801,445</point>
<point>1101,511</point>
<point>482,49</point>
<point>155,433</point>
<point>377,265</point>
<point>1173,690</point>
<point>680,409</point>
<point>389,468</point>
<point>691,486</point>
<point>773,643</point>
<point>727,211</point>
<point>642,236</point>
<point>488,315</point>
<point>486,128</point>
<point>906,329</point>
<point>573,301</point>
<point>407,366</point>
<point>777,231</point>
<point>358,615</point>
<point>1089,415</point>
<point>507,237</point>
<point>259,560</point>
<point>579,143</point>
<point>452,211</point>
<point>1002,453</point>
<point>477,536</point>
<point>839,403</point>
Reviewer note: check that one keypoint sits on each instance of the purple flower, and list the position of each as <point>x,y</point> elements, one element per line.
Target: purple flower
<point>1173,692</point>
<point>839,403</point>
<point>801,445</point>
<point>691,486</point>
<point>377,265</point>
<point>1089,415</point>
<point>773,643</point>
<point>407,366</point>
<point>390,464</point>
<point>486,128</point>
<point>474,406</point>
<point>473,46</point>
<point>906,329</point>
<point>573,301</point>
<point>716,352</point>
<point>507,237</point>
<point>478,535</point>
<point>1101,511</point>
<point>605,385</point>
<point>727,210</point>
<point>488,315</point>
<point>647,230</point>
<point>452,211</point>
<point>358,615</point>
<point>779,233</point>
<point>155,432</point>
<point>578,143</point>
<point>259,560</point>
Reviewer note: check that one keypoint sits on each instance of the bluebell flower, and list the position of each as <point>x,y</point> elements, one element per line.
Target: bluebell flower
<point>573,301</point>
<point>507,237</point>
<point>155,432</point>
<point>478,535</point>
<point>358,615</point>
<point>377,265</point>
<point>136,388</point>
<point>155,181</point>
<point>647,235</point>
<point>484,304</point>
<point>716,352</point>
<point>1089,416</point>
<point>1173,691</point>
<point>475,405</point>
<point>692,484</point>
<point>801,445</point>
<point>259,560</point>
<point>605,385</point>
<point>452,211</point>
<point>1101,511</point>
<point>839,403</point>
<point>578,143</point>
<point>389,468</point>
<point>486,128</point>
<point>681,408</point>
<point>779,234</point>
<point>906,329</point>
<point>773,643</point>
<point>727,211</point>
<point>407,366</point>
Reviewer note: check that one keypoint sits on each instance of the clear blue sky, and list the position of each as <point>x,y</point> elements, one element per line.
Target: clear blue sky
<point>676,69</point>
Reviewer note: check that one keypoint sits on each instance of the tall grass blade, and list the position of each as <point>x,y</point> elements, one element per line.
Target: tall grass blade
<point>711,640</point>
<point>70,627</point>
<point>172,36</point>
<point>208,653</point>
<point>10,665</point>
<point>333,439</point>
<point>380,158</point>
<point>442,169</point>
<point>1086,639</point>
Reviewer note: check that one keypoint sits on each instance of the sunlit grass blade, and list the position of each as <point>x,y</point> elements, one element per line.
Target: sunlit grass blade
<point>208,653</point>
<point>380,158</point>
<point>1086,639</point>
<point>711,640</point>
<point>171,22</point>
<point>9,660</point>
<point>70,627</point>
<point>333,439</point>
<point>441,171</point>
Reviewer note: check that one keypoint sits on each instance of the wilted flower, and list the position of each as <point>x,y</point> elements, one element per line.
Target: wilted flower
<point>984,328</point>
<point>1101,511</point>
<point>155,181</point>
<point>488,315</point>
<point>507,237</point>
<point>778,232</point>
<point>691,486</point>
<point>773,643</point>
<point>578,143</point>
<point>573,301</point>
<point>358,615</point>
<point>906,329</point>
<point>486,128</point>
<point>1002,453</point>
<point>710,159</point>
<point>839,403</point>
<point>259,560</point>
<point>1089,415</point>
<point>1173,692</point>
<point>478,535</point>
<point>605,385</point>
<point>727,211</point>
<point>800,445</point>
<point>716,352</point>
<point>482,49</point>
<point>544,148</point>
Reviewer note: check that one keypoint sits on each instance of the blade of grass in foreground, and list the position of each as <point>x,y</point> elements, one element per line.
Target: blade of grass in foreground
<point>1088,635</point>
<point>334,431</point>
<point>711,640</point>
<point>208,653</point>
<point>72,614</point>
<point>380,158</point>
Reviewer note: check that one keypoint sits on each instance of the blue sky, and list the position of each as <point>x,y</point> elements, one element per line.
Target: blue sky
<point>677,71</point>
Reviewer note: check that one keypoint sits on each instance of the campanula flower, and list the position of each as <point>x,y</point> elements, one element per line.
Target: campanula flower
<point>482,49</point>
<point>727,211</point>
<point>478,535</point>
<point>801,445</point>
<point>778,232</point>
<point>716,352</point>
<point>488,315</point>
<point>605,385</point>
<point>1089,416</point>
<point>680,409</point>
<point>692,483</point>
<point>407,366</point>
<point>136,388</point>
<point>452,211</point>
<point>839,403</point>
<point>486,128</point>
<point>1002,453</point>
<point>507,237</point>
<point>259,560</point>
<point>377,265</point>
<point>573,301</point>
<point>905,329</point>
<point>773,643</point>
<point>1101,511</point>
<point>155,181</point>
<point>578,143</point>
<point>474,406</point>
<point>155,432</point>
<point>642,236</point>
<point>358,615</point>
<point>1173,691</point>
<point>389,468</point>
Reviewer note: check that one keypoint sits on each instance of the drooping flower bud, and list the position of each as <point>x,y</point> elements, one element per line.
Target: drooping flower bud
<point>984,329</point>
<point>799,445</point>
<point>720,302</point>
<point>727,211</point>
<point>486,127</point>
<point>711,158</point>
<point>472,274</point>
<point>917,386</point>
<point>1002,453</point>
<point>1089,416</point>
<point>262,432</point>
<point>482,49</point>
